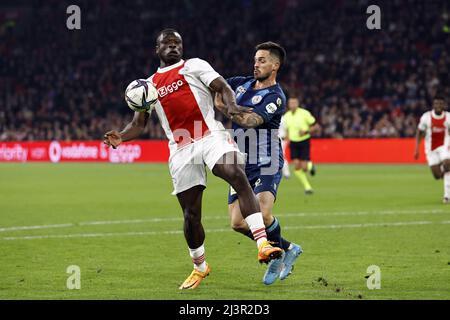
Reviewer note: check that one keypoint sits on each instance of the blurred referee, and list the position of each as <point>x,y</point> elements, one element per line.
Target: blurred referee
<point>300,123</point>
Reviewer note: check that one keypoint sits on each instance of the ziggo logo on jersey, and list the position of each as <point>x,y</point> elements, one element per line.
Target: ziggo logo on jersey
<point>174,86</point>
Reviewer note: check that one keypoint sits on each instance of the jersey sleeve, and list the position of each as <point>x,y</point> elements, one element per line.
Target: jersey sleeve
<point>423,123</point>
<point>272,104</point>
<point>235,82</point>
<point>310,120</point>
<point>203,71</point>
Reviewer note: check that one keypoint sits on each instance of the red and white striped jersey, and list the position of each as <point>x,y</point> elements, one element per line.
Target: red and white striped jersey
<point>436,129</point>
<point>185,108</point>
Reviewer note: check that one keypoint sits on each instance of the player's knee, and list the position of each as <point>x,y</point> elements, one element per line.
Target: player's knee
<point>437,175</point>
<point>236,177</point>
<point>191,215</point>
<point>268,218</point>
<point>239,226</point>
<point>446,165</point>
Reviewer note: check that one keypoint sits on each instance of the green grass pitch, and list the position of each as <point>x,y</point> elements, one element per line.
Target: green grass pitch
<point>122,227</point>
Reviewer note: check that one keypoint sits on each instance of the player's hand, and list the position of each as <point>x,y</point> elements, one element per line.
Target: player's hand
<point>218,102</point>
<point>112,139</point>
<point>232,110</point>
<point>416,154</point>
<point>302,133</point>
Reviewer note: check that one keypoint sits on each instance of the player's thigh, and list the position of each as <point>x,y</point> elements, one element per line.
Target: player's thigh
<point>436,171</point>
<point>444,156</point>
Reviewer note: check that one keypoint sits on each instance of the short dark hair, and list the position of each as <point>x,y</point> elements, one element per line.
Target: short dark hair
<point>274,49</point>
<point>166,31</point>
<point>439,96</point>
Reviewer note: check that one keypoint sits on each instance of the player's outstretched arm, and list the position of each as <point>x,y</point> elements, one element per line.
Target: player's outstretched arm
<point>229,106</point>
<point>419,136</point>
<point>246,119</point>
<point>132,130</point>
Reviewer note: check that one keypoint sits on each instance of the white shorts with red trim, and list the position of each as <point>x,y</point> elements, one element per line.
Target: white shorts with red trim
<point>438,155</point>
<point>187,165</point>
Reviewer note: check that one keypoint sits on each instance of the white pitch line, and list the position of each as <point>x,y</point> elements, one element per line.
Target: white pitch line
<point>153,233</point>
<point>224,217</point>
<point>48,226</point>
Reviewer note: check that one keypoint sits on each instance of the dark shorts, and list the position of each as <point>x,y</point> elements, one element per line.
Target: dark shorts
<point>301,150</point>
<point>259,183</point>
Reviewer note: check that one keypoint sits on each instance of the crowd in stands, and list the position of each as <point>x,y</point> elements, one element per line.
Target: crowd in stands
<point>65,84</point>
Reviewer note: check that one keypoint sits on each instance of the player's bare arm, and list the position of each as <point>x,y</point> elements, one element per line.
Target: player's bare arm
<point>228,106</point>
<point>246,118</point>
<point>131,131</point>
<point>419,136</point>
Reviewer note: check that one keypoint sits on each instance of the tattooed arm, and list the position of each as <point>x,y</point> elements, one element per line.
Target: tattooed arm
<point>245,119</point>
<point>248,120</point>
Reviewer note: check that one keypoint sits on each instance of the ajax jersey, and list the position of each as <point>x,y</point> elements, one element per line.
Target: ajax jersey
<point>436,130</point>
<point>185,108</point>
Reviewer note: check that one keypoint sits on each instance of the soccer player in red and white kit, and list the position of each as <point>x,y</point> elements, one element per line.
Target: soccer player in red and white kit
<point>196,140</point>
<point>435,127</point>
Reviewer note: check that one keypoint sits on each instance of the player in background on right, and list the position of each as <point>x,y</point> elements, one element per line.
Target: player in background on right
<point>300,124</point>
<point>284,144</point>
<point>434,126</point>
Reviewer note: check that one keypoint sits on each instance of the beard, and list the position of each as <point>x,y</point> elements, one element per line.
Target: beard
<point>262,77</point>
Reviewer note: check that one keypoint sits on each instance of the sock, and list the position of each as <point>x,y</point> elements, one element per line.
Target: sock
<point>286,171</point>
<point>198,258</point>
<point>447,185</point>
<point>309,166</point>
<point>256,224</point>
<point>300,174</point>
<point>274,234</point>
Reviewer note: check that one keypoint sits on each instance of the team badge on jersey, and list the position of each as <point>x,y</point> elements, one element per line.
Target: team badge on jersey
<point>279,101</point>
<point>256,99</point>
<point>271,108</point>
<point>239,91</point>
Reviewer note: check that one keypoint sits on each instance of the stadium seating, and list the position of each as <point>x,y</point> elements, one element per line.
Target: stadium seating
<point>68,85</point>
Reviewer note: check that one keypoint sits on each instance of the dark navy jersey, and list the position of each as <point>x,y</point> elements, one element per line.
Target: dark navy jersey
<point>270,104</point>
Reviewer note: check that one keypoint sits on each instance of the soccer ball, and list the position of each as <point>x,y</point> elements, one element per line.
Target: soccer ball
<point>141,95</point>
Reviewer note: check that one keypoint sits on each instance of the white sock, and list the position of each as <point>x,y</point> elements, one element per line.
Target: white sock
<point>286,171</point>
<point>447,185</point>
<point>198,258</point>
<point>256,224</point>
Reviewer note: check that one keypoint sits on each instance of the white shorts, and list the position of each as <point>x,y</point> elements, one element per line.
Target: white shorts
<point>438,155</point>
<point>187,165</point>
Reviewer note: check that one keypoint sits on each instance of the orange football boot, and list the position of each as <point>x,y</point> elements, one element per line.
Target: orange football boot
<point>266,252</point>
<point>193,281</point>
